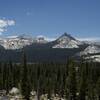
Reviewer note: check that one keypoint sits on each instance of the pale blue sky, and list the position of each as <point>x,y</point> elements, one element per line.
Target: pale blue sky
<point>51,18</point>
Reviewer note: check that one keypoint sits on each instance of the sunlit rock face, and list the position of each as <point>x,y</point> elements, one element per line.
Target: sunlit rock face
<point>91,53</point>
<point>15,42</point>
<point>67,41</point>
<point>18,42</point>
<point>91,49</point>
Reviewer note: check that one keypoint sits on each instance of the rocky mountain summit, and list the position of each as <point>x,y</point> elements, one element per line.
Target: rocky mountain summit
<point>67,41</point>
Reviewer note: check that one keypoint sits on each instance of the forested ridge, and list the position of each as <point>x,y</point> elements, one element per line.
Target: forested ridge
<point>71,80</point>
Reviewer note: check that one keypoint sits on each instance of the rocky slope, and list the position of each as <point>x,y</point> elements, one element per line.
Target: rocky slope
<point>40,49</point>
<point>18,42</point>
<point>67,41</point>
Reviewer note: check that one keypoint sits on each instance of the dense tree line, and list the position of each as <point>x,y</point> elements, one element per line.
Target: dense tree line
<point>72,80</point>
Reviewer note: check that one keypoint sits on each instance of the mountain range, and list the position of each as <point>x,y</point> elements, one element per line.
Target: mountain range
<point>39,49</point>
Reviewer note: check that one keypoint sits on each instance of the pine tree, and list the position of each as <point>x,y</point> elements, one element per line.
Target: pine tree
<point>72,81</point>
<point>25,82</point>
<point>83,82</point>
<point>98,89</point>
<point>90,83</point>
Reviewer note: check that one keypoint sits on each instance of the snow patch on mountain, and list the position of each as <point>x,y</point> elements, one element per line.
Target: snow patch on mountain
<point>41,39</point>
<point>15,42</point>
<point>18,42</point>
<point>66,41</point>
<point>91,49</point>
<point>91,53</point>
<point>94,58</point>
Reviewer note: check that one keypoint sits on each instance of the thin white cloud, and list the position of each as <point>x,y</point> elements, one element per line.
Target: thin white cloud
<point>4,24</point>
<point>11,22</point>
<point>89,39</point>
<point>46,38</point>
<point>28,13</point>
<point>50,39</point>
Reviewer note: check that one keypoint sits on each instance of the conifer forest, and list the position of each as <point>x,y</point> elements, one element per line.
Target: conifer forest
<point>71,80</point>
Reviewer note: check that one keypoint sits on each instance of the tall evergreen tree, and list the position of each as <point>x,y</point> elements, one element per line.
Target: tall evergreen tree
<point>72,81</point>
<point>25,82</point>
<point>83,82</point>
<point>90,83</point>
<point>98,89</point>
